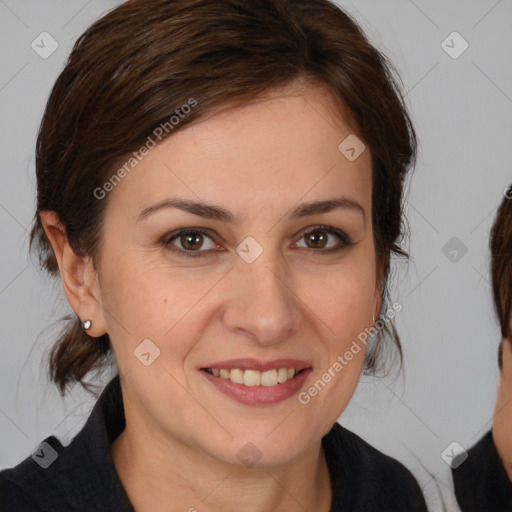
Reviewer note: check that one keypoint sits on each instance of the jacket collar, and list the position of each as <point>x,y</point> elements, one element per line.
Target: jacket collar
<point>83,476</point>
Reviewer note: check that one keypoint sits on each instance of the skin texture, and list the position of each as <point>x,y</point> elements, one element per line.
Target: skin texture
<point>503,411</point>
<point>182,437</point>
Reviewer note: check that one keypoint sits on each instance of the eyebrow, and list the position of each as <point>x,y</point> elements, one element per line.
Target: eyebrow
<point>214,212</point>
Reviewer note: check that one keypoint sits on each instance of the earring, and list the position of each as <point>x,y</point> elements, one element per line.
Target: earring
<point>86,325</point>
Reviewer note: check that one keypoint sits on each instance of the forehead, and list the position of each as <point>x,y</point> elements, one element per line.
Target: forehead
<point>274,152</point>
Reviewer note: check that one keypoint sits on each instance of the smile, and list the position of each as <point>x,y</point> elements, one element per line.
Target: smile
<point>256,382</point>
<point>254,377</point>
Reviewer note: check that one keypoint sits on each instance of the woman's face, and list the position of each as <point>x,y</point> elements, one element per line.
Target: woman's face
<point>254,282</point>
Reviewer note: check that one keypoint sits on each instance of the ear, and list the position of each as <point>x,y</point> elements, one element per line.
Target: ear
<point>78,276</point>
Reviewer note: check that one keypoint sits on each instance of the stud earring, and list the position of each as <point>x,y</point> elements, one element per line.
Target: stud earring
<point>86,325</point>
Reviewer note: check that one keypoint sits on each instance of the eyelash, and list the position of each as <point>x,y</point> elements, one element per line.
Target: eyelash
<point>343,237</point>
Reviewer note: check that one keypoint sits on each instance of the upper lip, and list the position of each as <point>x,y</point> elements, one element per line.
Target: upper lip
<point>259,365</point>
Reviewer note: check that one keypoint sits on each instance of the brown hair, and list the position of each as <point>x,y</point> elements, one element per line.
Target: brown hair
<point>501,266</point>
<point>140,63</point>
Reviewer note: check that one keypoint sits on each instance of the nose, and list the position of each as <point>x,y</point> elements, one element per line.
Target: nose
<point>264,306</point>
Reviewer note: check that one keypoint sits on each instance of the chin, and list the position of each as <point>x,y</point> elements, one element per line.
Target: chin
<point>263,450</point>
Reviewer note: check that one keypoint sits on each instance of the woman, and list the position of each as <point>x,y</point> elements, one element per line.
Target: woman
<point>483,481</point>
<point>220,188</point>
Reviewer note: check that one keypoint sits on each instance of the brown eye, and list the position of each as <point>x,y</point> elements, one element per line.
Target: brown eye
<point>319,240</point>
<point>189,242</point>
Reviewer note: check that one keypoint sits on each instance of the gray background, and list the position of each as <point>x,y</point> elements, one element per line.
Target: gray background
<point>462,110</point>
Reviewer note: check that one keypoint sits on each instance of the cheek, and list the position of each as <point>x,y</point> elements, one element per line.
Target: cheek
<point>345,308</point>
<point>344,301</point>
<point>139,301</point>
<point>148,299</point>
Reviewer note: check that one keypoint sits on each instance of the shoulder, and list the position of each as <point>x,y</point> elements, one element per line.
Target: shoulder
<point>17,485</point>
<point>380,480</point>
<point>13,499</point>
<point>480,480</point>
<point>366,458</point>
<point>77,477</point>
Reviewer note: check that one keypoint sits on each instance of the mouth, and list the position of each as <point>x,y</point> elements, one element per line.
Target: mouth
<point>253,382</point>
<point>250,378</point>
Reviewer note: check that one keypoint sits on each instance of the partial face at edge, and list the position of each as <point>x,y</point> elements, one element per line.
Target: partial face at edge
<point>306,297</point>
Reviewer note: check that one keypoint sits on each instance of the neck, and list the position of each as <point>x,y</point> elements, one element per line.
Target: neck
<point>157,470</point>
<point>502,422</point>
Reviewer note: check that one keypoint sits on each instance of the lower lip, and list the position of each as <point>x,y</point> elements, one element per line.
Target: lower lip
<point>259,395</point>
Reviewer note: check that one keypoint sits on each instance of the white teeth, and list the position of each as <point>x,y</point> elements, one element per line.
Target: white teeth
<point>282,375</point>
<point>237,376</point>
<point>254,377</point>
<point>269,378</point>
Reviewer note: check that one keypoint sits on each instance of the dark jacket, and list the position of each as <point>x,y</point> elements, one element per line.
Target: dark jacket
<point>81,477</point>
<point>481,482</point>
